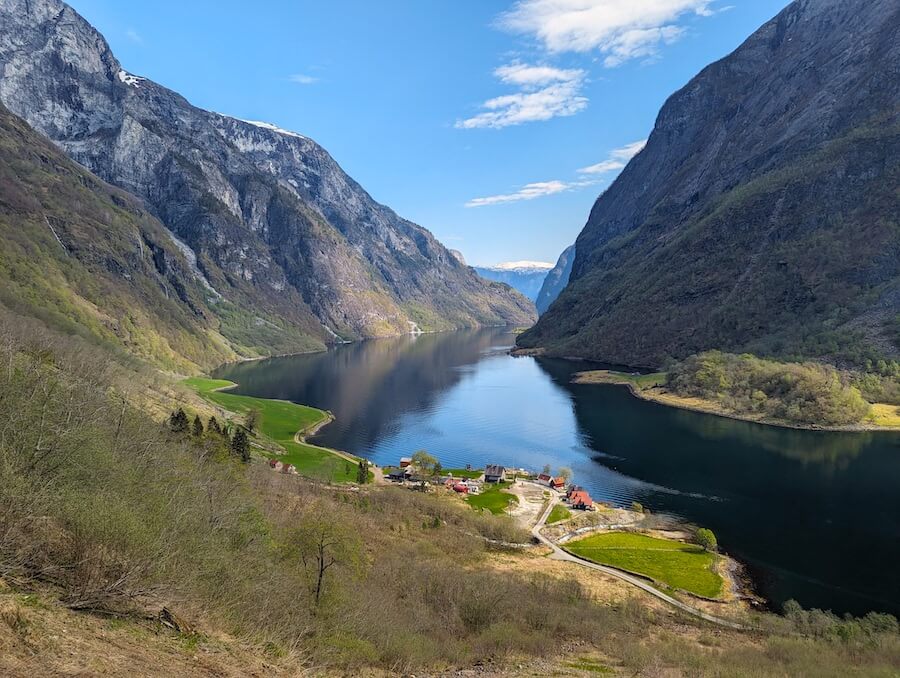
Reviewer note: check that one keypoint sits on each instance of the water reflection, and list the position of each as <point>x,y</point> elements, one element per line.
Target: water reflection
<point>815,515</point>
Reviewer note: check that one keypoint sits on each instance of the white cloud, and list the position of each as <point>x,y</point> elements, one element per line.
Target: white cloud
<point>303,79</point>
<point>545,93</point>
<point>619,29</point>
<point>617,159</point>
<point>134,36</point>
<point>524,75</point>
<point>530,192</point>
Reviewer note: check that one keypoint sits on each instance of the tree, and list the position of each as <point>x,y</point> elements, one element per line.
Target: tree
<point>213,426</point>
<point>240,445</point>
<point>546,470</point>
<point>198,427</point>
<point>565,473</point>
<point>707,539</point>
<point>362,473</point>
<point>178,421</point>
<point>323,543</point>
<point>425,463</point>
<point>251,421</point>
<point>637,507</point>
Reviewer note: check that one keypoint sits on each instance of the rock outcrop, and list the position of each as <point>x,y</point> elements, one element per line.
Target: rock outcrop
<point>556,280</point>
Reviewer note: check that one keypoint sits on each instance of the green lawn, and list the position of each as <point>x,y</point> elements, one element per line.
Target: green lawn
<point>492,498</point>
<point>464,473</point>
<point>279,421</point>
<point>558,513</point>
<point>682,566</point>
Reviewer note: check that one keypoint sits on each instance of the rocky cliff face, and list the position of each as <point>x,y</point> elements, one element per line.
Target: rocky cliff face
<point>556,280</point>
<point>763,212</point>
<point>272,220</point>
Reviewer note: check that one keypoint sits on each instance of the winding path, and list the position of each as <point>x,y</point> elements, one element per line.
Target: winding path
<point>560,554</point>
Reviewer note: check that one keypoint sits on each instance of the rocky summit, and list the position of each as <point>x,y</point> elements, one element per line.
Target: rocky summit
<point>762,214</point>
<point>266,216</point>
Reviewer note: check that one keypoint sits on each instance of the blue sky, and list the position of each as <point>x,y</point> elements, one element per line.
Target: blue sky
<point>493,123</point>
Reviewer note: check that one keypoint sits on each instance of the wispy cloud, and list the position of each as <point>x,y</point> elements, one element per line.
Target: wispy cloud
<point>617,159</point>
<point>619,29</point>
<point>544,92</point>
<point>303,79</point>
<point>530,192</point>
<point>134,36</point>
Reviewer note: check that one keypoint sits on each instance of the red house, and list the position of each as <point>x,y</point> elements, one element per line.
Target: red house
<point>581,500</point>
<point>558,483</point>
<point>544,478</point>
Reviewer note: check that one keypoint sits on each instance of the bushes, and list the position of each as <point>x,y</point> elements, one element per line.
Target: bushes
<point>800,393</point>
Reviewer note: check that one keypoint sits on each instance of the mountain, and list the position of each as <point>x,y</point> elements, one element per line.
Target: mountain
<point>523,276</point>
<point>275,225</point>
<point>88,258</point>
<point>763,213</point>
<point>556,280</point>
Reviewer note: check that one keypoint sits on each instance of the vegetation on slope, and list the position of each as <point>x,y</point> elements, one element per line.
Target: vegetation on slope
<point>799,393</point>
<point>89,260</point>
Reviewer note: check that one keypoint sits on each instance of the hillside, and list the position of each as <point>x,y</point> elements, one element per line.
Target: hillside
<point>89,259</point>
<point>556,280</point>
<point>275,224</point>
<point>763,213</point>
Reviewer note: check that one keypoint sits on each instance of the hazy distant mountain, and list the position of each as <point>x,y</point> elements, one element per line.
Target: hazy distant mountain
<point>274,224</point>
<point>763,214</point>
<point>556,280</point>
<point>523,276</point>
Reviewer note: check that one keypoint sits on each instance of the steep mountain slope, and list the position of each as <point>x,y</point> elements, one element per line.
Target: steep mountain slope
<point>556,280</point>
<point>763,213</point>
<point>88,258</point>
<point>275,224</point>
<point>525,277</point>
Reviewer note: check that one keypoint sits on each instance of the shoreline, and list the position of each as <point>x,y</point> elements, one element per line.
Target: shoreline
<point>659,396</point>
<point>300,436</point>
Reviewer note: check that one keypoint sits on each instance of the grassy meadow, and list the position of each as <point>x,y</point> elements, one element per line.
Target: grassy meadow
<point>280,421</point>
<point>682,566</point>
<point>492,498</point>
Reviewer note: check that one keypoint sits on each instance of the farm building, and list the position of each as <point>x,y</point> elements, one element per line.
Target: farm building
<point>494,473</point>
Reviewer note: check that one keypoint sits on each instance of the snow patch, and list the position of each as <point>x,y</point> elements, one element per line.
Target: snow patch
<point>130,79</point>
<point>522,266</point>
<point>272,128</point>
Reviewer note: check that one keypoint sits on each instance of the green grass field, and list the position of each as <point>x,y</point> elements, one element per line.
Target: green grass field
<point>558,513</point>
<point>682,566</point>
<point>639,381</point>
<point>280,421</point>
<point>492,498</point>
<point>464,473</point>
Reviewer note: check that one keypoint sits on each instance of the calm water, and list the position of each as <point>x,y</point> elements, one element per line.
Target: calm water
<point>815,516</point>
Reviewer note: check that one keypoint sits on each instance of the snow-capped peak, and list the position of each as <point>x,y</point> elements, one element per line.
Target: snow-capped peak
<point>130,79</point>
<point>523,266</point>
<point>272,128</point>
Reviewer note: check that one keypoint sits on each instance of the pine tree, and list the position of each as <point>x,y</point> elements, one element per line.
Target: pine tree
<point>240,445</point>
<point>213,426</point>
<point>362,473</point>
<point>178,421</point>
<point>198,427</point>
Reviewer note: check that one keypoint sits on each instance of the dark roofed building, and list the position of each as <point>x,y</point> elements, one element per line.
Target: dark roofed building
<point>494,473</point>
